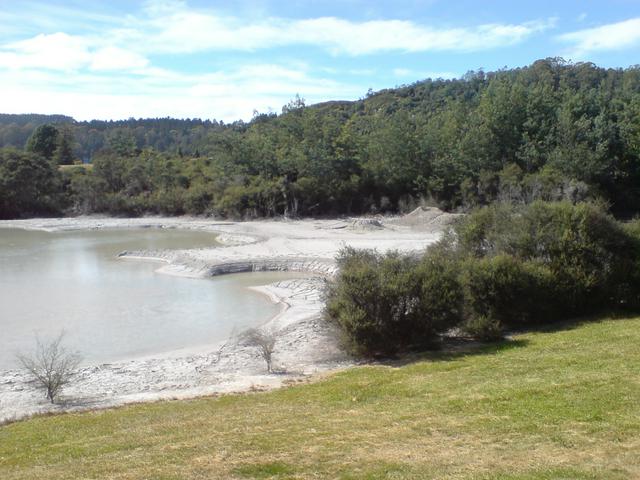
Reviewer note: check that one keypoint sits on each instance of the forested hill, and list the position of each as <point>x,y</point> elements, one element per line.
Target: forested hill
<point>552,130</point>
<point>162,134</point>
<point>32,119</point>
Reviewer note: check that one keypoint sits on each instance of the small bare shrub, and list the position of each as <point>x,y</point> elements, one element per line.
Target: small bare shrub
<point>51,365</point>
<point>265,341</point>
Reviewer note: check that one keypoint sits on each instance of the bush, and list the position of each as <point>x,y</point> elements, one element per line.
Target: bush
<point>168,201</point>
<point>584,248</point>
<point>29,185</point>
<point>501,267</point>
<point>369,300</point>
<point>507,291</point>
<point>51,366</point>
<point>483,328</point>
<point>386,303</point>
<point>120,204</point>
<point>439,292</point>
<point>628,292</point>
<point>198,199</point>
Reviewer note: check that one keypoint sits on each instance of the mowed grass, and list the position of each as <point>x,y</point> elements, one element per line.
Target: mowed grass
<point>546,405</point>
<point>82,166</point>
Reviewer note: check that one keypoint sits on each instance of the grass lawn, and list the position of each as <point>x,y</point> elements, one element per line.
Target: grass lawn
<point>84,166</point>
<point>547,405</point>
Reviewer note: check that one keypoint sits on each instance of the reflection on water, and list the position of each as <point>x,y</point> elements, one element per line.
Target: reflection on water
<point>113,309</point>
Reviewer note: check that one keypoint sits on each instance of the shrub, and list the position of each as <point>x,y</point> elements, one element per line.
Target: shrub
<point>29,184</point>
<point>583,247</point>
<point>168,201</point>
<point>507,291</point>
<point>386,303</point>
<point>439,293</point>
<point>483,328</point>
<point>51,366</point>
<point>502,266</point>
<point>198,199</point>
<point>628,292</point>
<point>264,341</point>
<point>369,300</point>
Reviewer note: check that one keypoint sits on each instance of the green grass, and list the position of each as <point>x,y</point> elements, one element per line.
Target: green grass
<point>547,405</point>
<point>85,166</point>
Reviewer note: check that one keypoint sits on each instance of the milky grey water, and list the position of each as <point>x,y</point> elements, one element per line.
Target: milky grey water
<point>115,309</point>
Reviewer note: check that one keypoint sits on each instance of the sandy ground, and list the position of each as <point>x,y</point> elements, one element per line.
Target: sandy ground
<point>305,345</point>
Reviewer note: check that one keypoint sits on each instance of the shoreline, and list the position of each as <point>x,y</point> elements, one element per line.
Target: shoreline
<point>305,345</point>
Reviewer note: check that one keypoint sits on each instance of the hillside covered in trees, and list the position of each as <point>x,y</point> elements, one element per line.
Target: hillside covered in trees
<point>550,131</point>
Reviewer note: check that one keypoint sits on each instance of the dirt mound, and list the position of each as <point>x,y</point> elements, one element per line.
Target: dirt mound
<point>427,218</point>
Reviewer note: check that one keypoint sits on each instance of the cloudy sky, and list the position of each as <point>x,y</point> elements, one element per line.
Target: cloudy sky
<point>225,59</point>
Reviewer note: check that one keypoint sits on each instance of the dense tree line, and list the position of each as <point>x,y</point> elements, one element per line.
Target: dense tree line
<point>549,131</point>
<point>160,134</point>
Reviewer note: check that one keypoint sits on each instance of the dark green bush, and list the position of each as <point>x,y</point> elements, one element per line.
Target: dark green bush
<point>369,300</point>
<point>198,199</point>
<point>503,266</point>
<point>585,249</point>
<point>168,201</point>
<point>483,328</point>
<point>439,292</point>
<point>29,184</point>
<point>507,291</point>
<point>628,291</point>
<point>386,303</point>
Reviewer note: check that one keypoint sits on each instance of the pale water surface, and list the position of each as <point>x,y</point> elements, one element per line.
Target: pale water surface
<point>114,309</point>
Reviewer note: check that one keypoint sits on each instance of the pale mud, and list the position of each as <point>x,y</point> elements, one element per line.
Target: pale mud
<point>306,344</point>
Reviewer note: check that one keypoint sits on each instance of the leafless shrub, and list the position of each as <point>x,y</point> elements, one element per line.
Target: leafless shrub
<point>51,365</point>
<point>265,341</point>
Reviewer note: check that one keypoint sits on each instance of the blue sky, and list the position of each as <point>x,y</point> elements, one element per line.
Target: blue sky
<point>223,60</point>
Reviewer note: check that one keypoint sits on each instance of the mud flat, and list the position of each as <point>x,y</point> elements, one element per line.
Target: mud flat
<point>305,346</point>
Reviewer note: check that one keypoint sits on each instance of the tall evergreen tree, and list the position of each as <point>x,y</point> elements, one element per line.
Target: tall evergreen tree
<point>63,155</point>
<point>44,141</point>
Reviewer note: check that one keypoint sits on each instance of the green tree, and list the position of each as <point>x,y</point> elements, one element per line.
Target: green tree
<point>63,154</point>
<point>29,185</point>
<point>44,141</point>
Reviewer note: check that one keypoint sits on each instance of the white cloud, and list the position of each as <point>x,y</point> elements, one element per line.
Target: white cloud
<point>173,27</point>
<point>182,30</point>
<point>271,71</point>
<point>57,51</point>
<point>156,7</point>
<point>225,95</point>
<point>114,58</point>
<point>342,36</point>
<point>28,17</point>
<point>415,75</point>
<point>60,51</point>
<point>108,68</point>
<point>167,26</point>
<point>613,36</point>
<point>402,72</point>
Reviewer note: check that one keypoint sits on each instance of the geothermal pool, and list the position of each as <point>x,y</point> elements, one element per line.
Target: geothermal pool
<point>113,309</point>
